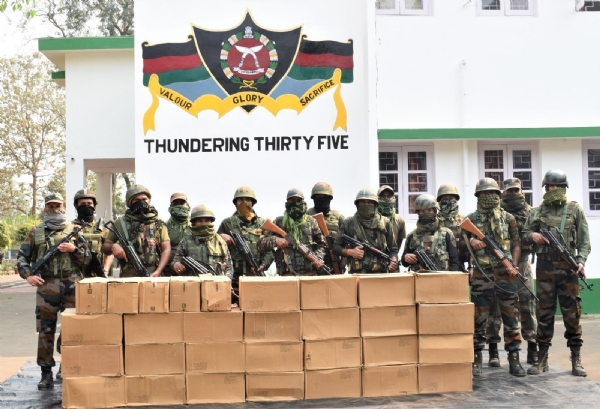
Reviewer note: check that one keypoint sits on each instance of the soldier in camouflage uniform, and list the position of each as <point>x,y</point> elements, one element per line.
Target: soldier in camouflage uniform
<point>322,195</point>
<point>368,226</point>
<point>490,279</point>
<point>437,241</point>
<point>387,207</point>
<point>513,201</point>
<point>302,228</point>
<point>56,282</point>
<point>448,197</point>
<point>177,225</point>
<point>567,222</point>
<point>146,232</point>
<point>203,244</point>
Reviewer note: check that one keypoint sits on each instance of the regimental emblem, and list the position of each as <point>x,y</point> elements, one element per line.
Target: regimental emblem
<point>246,67</point>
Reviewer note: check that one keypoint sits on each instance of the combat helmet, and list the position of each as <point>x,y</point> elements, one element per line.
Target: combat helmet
<point>321,188</point>
<point>426,201</point>
<point>202,211</point>
<point>384,188</point>
<point>486,184</point>
<point>366,193</point>
<point>85,194</point>
<point>447,189</point>
<point>134,191</point>
<point>244,191</point>
<point>295,192</point>
<point>555,177</point>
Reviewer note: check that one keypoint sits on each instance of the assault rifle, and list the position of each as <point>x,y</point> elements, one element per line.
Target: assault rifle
<point>95,268</point>
<point>325,230</point>
<point>195,267</point>
<point>308,254</point>
<point>494,250</point>
<point>425,261</point>
<point>367,248</point>
<point>243,248</point>
<point>132,256</point>
<point>564,254</point>
<point>53,251</point>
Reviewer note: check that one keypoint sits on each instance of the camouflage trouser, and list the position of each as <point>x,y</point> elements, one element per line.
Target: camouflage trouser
<point>483,292</point>
<point>527,308</point>
<point>53,296</point>
<point>554,279</point>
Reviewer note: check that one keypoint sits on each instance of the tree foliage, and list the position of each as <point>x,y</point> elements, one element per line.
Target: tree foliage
<point>5,240</point>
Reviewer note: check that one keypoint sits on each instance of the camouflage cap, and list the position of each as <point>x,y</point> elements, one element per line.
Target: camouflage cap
<point>244,191</point>
<point>447,189</point>
<point>202,211</point>
<point>384,188</point>
<point>366,193</point>
<point>85,194</point>
<point>134,191</point>
<point>486,184</point>
<point>178,196</point>
<point>321,188</point>
<point>426,201</point>
<point>54,198</point>
<point>511,183</point>
<point>295,192</point>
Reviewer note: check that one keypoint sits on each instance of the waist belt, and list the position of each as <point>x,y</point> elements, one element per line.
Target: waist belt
<point>549,257</point>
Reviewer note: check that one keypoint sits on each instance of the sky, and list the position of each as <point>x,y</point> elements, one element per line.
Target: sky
<point>16,40</point>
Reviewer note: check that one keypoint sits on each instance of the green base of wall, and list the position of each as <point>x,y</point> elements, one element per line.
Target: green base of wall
<point>590,301</point>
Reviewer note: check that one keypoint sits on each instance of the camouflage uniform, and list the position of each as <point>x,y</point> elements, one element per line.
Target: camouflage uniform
<point>176,229</point>
<point>213,252</point>
<point>452,221</point>
<point>396,221</point>
<point>94,238</point>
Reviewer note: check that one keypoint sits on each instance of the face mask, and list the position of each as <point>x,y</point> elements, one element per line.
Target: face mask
<point>203,229</point>
<point>448,206</point>
<point>488,201</point>
<point>322,205</point>
<point>426,218</point>
<point>85,213</point>
<point>140,207</point>
<point>180,212</point>
<point>245,210</point>
<point>366,211</point>
<point>55,218</point>
<point>296,209</point>
<point>387,207</point>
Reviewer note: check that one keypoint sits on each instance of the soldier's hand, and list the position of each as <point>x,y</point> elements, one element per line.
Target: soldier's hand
<point>357,253</point>
<point>539,239</point>
<point>411,258</point>
<point>580,270</point>
<point>318,264</point>
<point>477,244</point>
<point>228,239</point>
<point>155,274</point>
<point>118,252</point>
<point>281,243</point>
<point>470,273</point>
<point>66,248</point>
<point>35,281</point>
<point>393,265</point>
<point>178,267</point>
<point>261,268</point>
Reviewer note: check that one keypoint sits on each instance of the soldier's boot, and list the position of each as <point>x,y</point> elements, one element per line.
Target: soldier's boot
<point>515,367</point>
<point>576,367</point>
<point>494,360</point>
<point>532,353</point>
<point>59,373</point>
<point>478,363</point>
<point>542,363</point>
<point>47,381</point>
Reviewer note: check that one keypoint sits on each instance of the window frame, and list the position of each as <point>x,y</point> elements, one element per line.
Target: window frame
<point>505,9</point>
<point>395,11</point>
<point>586,185</point>
<point>426,11</point>
<point>580,5</point>
<point>481,12</point>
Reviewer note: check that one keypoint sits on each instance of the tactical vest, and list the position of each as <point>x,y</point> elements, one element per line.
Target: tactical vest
<point>562,222</point>
<point>292,259</point>
<point>484,260</point>
<point>93,237</point>
<point>435,245</point>
<point>140,235</point>
<point>374,237</point>
<point>212,252</point>
<point>60,265</point>
<point>251,234</point>
<point>332,220</point>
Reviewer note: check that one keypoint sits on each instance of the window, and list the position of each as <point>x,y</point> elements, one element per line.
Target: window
<point>591,169</point>
<point>505,7</point>
<point>581,5</point>
<point>409,171</point>
<point>404,7</point>
<point>387,7</point>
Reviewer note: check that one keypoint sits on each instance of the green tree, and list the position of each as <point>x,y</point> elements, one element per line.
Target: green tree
<point>5,240</point>
<point>27,6</point>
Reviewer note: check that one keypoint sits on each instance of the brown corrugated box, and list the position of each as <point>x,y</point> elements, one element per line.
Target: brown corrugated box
<point>93,392</point>
<point>215,388</point>
<point>396,380</point>
<point>269,294</point>
<point>154,328</point>
<point>441,287</point>
<point>123,295</point>
<point>200,327</point>
<point>154,295</point>
<point>92,360</point>
<point>274,357</point>
<point>446,318</point>
<point>90,294</point>
<point>385,290</point>
<point>270,387</point>
<point>388,321</point>
<point>215,293</point>
<point>332,323</point>
<point>105,329</point>
<point>398,350</point>
<point>155,359</point>
<point>441,349</point>
<point>155,390</point>
<point>319,293</point>
<point>184,294</point>
<point>439,378</point>
<point>273,326</point>
<point>215,358</point>
<point>333,383</point>
<point>332,353</point>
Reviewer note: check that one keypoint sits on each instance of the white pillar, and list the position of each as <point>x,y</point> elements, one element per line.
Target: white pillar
<point>104,195</point>
<point>75,167</point>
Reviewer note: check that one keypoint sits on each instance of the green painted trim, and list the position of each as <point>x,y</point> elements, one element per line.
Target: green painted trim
<point>489,133</point>
<point>58,75</point>
<point>85,43</point>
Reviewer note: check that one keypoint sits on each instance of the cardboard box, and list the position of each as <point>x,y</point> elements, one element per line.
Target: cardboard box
<point>154,328</point>
<point>319,293</point>
<point>215,388</point>
<point>154,295</point>
<point>441,287</point>
<point>397,380</point>
<point>440,378</point>
<point>155,390</point>
<point>105,329</point>
<point>273,326</point>
<point>397,350</point>
<point>274,357</point>
<point>386,290</point>
<point>442,349</point>
<point>270,387</point>
<point>92,360</point>
<point>123,295</point>
<point>446,318</point>
<point>328,324</point>
<point>269,293</point>
<point>155,359</point>
<point>184,294</point>
<point>388,321</point>
<point>332,353</point>
<point>215,358</point>
<point>333,383</point>
<point>200,327</point>
<point>93,392</point>
<point>215,293</point>
<point>90,296</point>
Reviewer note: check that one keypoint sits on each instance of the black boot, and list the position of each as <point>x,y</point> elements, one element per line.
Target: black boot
<point>515,367</point>
<point>542,363</point>
<point>494,360</point>
<point>577,368</point>
<point>47,381</point>
<point>532,354</point>
<point>59,373</point>
<point>478,364</point>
